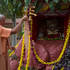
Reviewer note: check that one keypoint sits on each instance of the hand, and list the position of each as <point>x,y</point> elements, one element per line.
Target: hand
<point>25,18</point>
<point>32,11</point>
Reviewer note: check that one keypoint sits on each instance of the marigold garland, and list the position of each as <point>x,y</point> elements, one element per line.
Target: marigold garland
<point>28,57</point>
<point>62,52</point>
<point>62,68</point>
<point>14,50</point>
<point>22,53</point>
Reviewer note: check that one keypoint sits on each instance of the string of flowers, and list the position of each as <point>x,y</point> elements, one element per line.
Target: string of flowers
<point>61,54</point>
<point>22,54</point>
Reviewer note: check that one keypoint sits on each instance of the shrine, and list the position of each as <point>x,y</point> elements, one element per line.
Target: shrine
<point>45,42</point>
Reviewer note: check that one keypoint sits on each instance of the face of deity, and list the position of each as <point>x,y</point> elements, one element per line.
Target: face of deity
<point>51,25</point>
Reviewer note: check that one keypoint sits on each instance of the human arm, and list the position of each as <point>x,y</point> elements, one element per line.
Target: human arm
<point>18,26</point>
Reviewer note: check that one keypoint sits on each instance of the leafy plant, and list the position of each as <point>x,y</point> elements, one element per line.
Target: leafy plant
<point>11,7</point>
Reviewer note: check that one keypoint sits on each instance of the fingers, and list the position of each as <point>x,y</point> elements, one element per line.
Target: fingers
<point>32,14</point>
<point>25,18</point>
<point>32,11</point>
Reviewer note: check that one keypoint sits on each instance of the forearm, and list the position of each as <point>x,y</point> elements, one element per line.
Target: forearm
<point>17,28</point>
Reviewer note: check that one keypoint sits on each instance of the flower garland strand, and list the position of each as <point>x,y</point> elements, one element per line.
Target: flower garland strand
<point>14,50</point>
<point>62,68</point>
<point>29,48</point>
<point>54,66</point>
<point>30,37</point>
<point>22,53</point>
<point>28,57</point>
<point>55,61</point>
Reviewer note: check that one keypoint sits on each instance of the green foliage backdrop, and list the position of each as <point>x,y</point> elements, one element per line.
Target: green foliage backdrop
<point>11,7</point>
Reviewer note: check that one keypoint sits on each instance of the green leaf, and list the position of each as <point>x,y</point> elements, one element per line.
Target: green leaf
<point>51,5</point>
<point>46,1</point>
<point>9,51</point>
<point>56,1</point>
<point>36,10</point>
<point>69,0</point>
<point>65,1</point>
<point>14,57</point>
<point>35,3</point>
<point>22,67</point>
<point>27,2</point>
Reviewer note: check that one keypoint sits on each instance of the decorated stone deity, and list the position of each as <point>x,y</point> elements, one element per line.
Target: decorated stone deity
<point>52,30</point>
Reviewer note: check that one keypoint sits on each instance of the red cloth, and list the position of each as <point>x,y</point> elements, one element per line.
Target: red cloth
<point>54,36</point>
<point>46,50</point>
<point>4,34</point>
